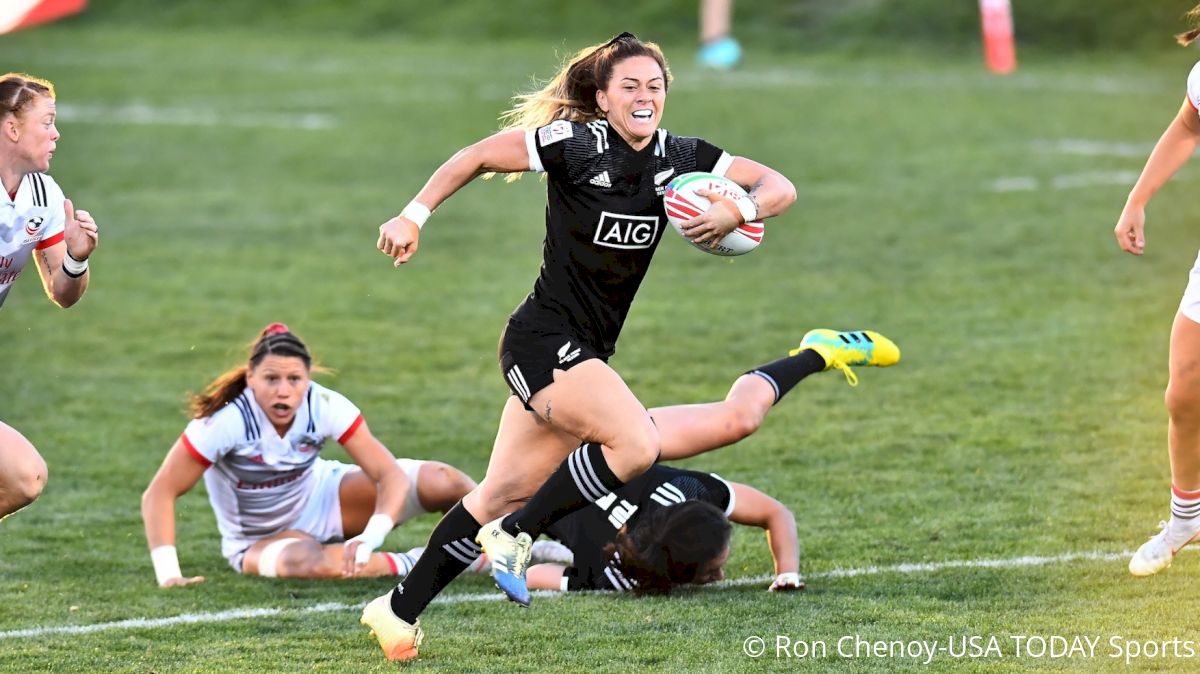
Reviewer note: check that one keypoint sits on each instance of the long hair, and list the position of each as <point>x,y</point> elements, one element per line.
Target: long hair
<point>1190,36</point>
<point>274,340</point>
<point>571,94</point>
<point>671,546</point>
<point>18,92</point>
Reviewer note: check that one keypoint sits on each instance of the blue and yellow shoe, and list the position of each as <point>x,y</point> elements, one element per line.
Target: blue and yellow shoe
<point>510,557</point>
<point>843,349</point>
<point>721,54</point>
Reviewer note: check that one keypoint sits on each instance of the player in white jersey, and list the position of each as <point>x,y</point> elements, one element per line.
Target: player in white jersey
<point>36,222</point>
<point>282,510</point>
<point>1176,145</point>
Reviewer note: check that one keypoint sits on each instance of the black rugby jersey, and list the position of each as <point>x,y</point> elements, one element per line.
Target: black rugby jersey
<point>604,218</point>
<point>588,531</point>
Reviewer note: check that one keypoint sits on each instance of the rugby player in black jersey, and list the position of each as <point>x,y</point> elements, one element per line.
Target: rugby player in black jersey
<point>666,527</point>
<point>573,431</point>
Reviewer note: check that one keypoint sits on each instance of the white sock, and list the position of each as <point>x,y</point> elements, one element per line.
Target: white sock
<point>1185,514</point>
<point>403,562</point>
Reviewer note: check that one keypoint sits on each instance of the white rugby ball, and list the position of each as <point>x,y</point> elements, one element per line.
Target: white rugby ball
<point>683,204</point>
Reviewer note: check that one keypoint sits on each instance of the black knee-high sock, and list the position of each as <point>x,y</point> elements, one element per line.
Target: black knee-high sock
<point>582,479</point>
<point>785,373</point>
<point>450,550</point>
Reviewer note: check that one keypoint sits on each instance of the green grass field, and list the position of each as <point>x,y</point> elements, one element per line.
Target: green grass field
<point>239,179</point>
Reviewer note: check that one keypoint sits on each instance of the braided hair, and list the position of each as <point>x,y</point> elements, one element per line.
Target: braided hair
<point>18,92</point>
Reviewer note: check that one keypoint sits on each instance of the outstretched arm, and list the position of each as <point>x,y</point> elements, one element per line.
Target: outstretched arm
<point>178,473</point>
<point>754,508</point>
<point>1171,152</point>
<point>504,152</point>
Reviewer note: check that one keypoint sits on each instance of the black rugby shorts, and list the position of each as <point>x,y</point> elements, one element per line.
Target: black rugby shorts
<point>529,356</point>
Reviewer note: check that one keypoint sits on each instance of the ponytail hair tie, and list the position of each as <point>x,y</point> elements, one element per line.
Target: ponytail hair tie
<point>276,329</point>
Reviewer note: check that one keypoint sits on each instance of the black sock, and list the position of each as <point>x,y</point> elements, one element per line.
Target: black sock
<point>582,479</point>
<point>450,550</point>
<point>785,373</point>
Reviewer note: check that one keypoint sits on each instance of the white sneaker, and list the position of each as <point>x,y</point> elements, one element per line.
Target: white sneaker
<point>398,639</point>
<point>1157,553</point>
<point>552,552</point>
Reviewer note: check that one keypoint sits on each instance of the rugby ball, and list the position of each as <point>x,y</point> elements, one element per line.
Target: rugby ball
<point>683,204</point>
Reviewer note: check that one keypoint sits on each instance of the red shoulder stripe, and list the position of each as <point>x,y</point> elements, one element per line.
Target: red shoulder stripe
<point>187,444</point>
<point>350,431</point>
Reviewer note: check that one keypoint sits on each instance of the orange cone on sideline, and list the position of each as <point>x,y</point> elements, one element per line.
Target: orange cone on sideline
<point>999,50</point>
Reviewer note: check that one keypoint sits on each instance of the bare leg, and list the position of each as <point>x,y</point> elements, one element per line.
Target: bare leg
<point>306,558</point>
<point>526,452</point>
<point>440,486</point>
<point>688,430</point>
<point>715,19</point>
<point>591,402</point>
<point>1183,444</point>
<point>1183,404</point>
<point>22,471</point>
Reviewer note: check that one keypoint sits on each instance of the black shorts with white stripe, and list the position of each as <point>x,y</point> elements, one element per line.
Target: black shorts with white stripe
<point>529,356</point>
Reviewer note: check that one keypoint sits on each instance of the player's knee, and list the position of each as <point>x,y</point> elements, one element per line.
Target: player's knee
<point>441,486</point>
<point>1183,398</point>
<point>640,450</point>
<point>742,421</point>
<point>28,480</point>
<point>294,558</point>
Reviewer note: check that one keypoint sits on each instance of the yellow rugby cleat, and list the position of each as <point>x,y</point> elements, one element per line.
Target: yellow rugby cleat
<point>843,349</point>
<point>398,639</point>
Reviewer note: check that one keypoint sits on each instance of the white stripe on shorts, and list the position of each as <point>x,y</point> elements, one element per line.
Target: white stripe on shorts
<point>518,382</point>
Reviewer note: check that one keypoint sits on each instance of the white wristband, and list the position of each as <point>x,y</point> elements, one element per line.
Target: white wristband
<point>74,267</point>
<point>378,527</point>
<point>166,564</point>
<point>748,208</point>
<point>417,212</point>
<point>372,536</point>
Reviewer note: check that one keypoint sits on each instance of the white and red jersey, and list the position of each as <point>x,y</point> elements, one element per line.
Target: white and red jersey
<point>1193,86</point>
<point>257,481</point>
<point>34,219</point>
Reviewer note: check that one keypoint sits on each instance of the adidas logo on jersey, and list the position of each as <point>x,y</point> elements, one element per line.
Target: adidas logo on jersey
<point>601,180</point>
<point>626,231</point>
<point>564,356</point>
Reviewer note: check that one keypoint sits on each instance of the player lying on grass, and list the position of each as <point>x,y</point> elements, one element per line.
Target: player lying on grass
<point>255,438</point>
<point>668,527</point>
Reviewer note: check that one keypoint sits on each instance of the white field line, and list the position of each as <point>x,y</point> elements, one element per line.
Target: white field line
<point>1093,148</point>
<point>140,113</point>
<point>243,613</point>
<point>1062,182</point>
